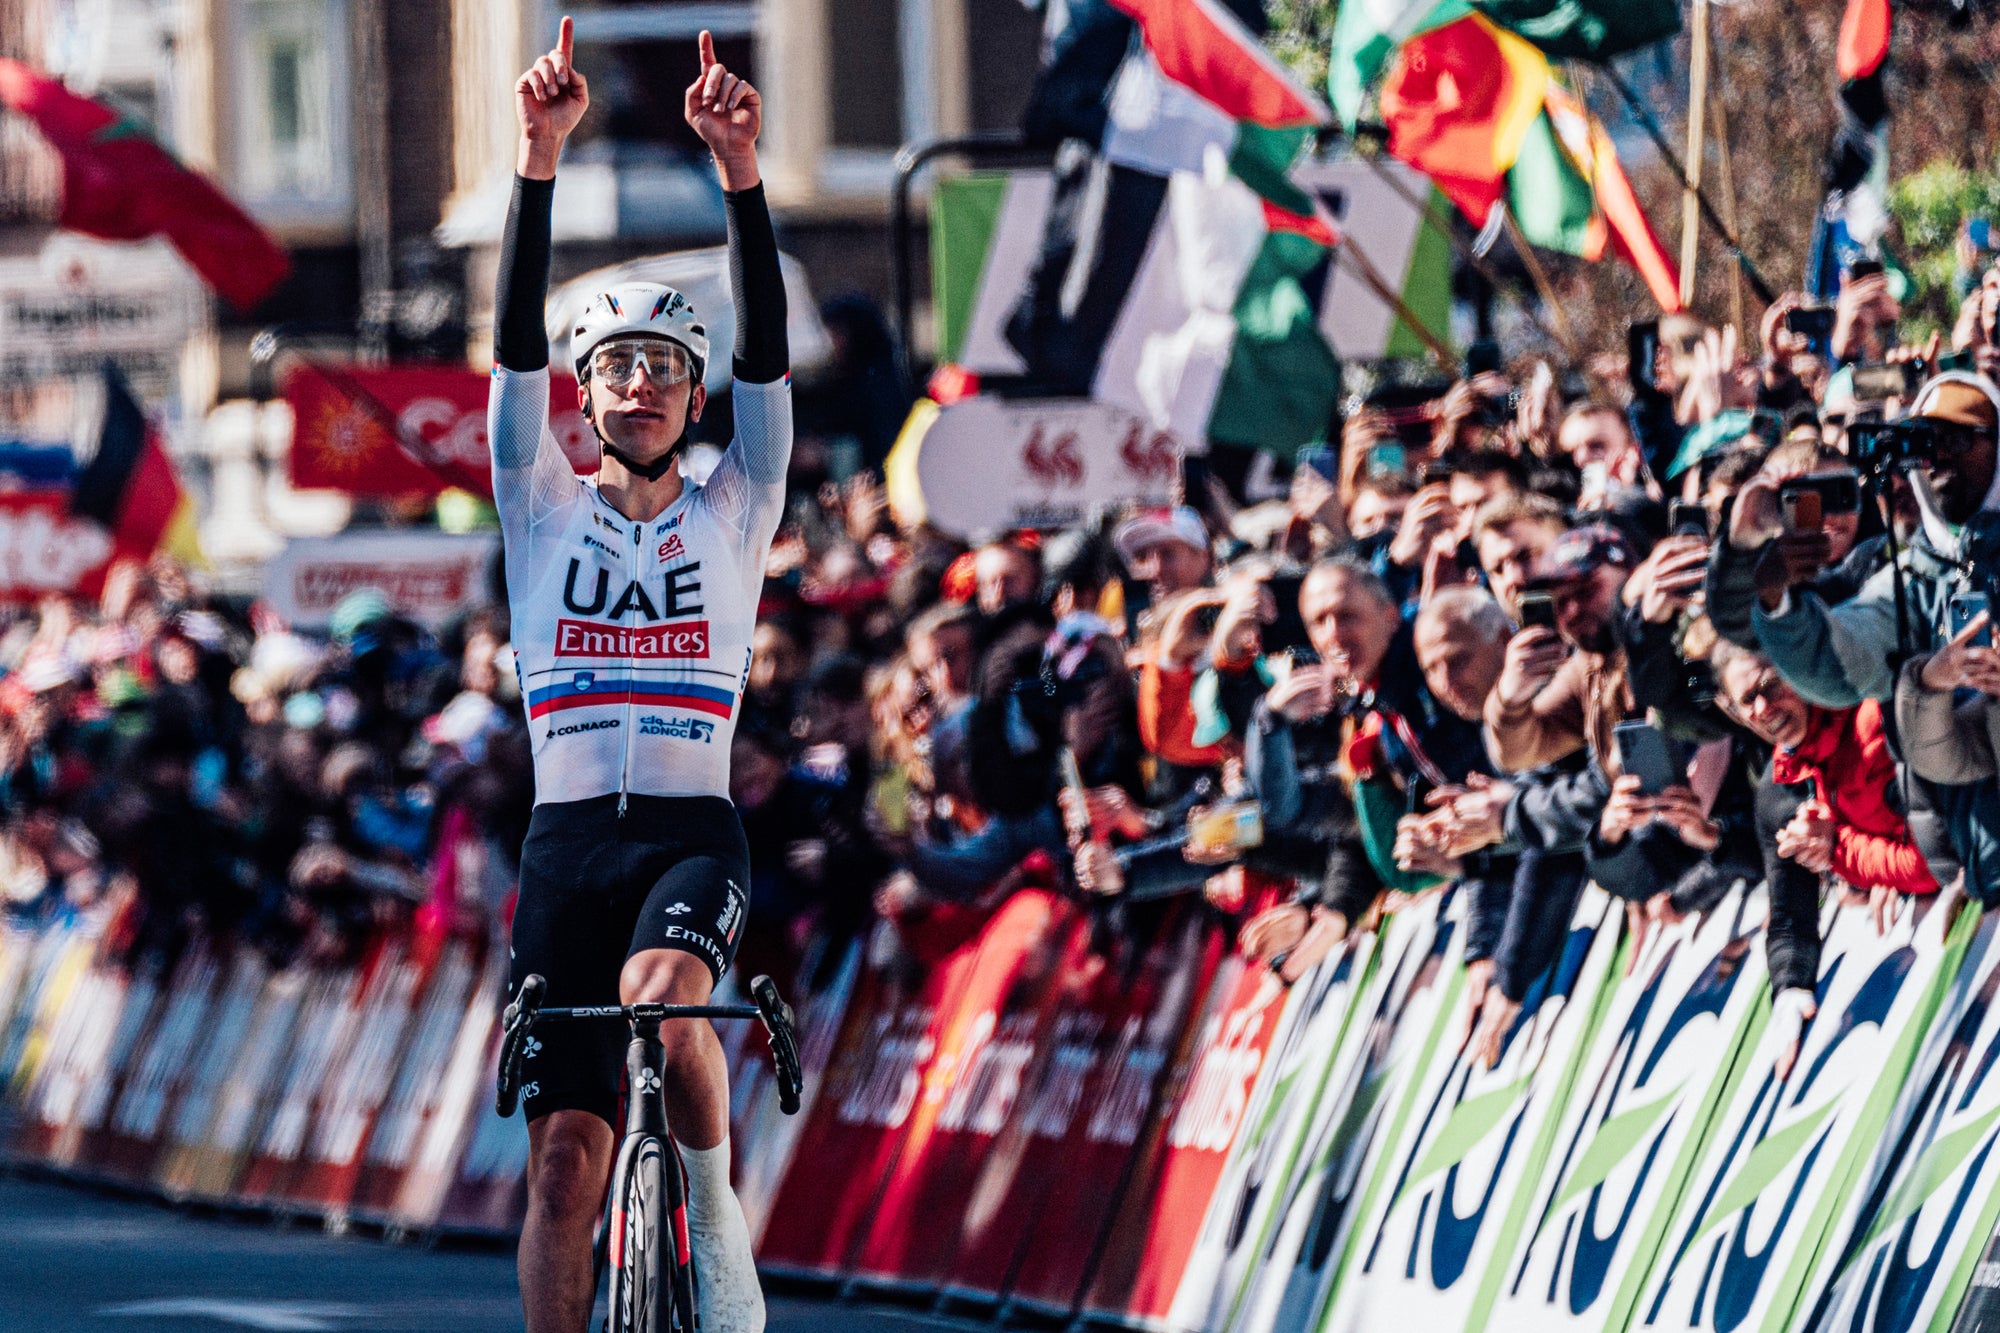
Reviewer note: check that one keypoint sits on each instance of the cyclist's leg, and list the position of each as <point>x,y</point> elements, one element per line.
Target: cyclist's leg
<point>686,937</point>
<point>569,1159</point>
<point>570,926</point>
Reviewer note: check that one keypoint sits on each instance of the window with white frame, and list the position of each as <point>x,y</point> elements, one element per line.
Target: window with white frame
<point>291,108</point>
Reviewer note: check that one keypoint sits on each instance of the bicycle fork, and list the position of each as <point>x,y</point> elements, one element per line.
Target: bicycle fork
<point>646,1118</point>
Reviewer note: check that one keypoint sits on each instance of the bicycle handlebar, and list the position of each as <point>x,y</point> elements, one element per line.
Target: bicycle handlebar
<point>521,1015</point>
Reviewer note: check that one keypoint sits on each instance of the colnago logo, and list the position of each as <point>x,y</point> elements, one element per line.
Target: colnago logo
<point>601,724</point>
<point>886,1083</point>
<point>1219,1092</point>
<point>678,593</point>
<point>592,638</point>
<point>677,728</point>
<point>1121,1112</point>
<point>984,1082</point>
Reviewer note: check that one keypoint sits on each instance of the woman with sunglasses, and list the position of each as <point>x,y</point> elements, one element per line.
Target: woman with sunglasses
<point>633,595</point>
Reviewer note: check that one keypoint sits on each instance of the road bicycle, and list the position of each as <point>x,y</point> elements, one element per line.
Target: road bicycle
<point>644,1236</point>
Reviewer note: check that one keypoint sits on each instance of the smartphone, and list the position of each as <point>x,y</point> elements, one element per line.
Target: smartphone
<point>1288,631</point>
<point>1863,268</point>
<point>1839,492</point>
<point>1959,612</point>
<point>1319,457</point>
<point>1645,752</point>
<point>1538,611</point>
<point>1873,384</point>
<point>1481,357</point>
<point>1387,459</point>
<point>1980,232</point>
<point>1812,321</point>
<point>1688,518</point>
<point>1803,512</point>
<point>1642,353</point>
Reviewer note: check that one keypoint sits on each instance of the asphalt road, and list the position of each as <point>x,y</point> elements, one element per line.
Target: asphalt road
<point>73,1258</point>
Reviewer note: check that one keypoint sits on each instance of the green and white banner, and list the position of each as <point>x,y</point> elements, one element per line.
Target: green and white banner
<point>1658,1068</point>
<point>1447,1168</point>
<point>1780,1185</point>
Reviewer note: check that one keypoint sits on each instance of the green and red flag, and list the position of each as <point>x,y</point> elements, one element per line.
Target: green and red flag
<point>1459,101</point>
<point>119,184</point>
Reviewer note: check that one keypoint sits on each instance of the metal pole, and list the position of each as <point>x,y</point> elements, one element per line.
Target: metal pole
<point>910,158</point>
<point>1708,213</point>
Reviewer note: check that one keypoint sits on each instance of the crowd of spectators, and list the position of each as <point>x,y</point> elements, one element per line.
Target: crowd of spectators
<point>1666,627</point>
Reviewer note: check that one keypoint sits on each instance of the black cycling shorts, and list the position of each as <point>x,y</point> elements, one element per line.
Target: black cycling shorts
<point>673,873</point>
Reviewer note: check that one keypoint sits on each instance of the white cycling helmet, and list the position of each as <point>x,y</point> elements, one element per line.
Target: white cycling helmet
<point>638,309</point>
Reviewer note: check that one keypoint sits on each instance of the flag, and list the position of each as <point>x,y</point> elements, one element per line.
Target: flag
<point>1204,89</point>
<point>1365,34</point>
<point>1083,45</point>
<point>1218,337</point>
<point>1459,101</point>
<point>1864,38</point>
<point>1586,29</point>
<point>129,486</point>
<point>1567,192</point>
<point>121,185</point>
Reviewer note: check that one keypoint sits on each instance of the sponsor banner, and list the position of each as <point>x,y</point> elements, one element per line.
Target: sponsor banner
<point>489,1185</point>
<point>1648,1089</point>
<point>357,1084</point>
<point>1777,1190</point>
<point>427,576</point>
<point>324,1012</point>
<point>1464,1138</point>
<point>762,1137</point>
<point>45,972</point>
<point>1125,1016</point>
<point>987,464</point>
<point>1233,1234</point>
<point>96,1031</point>
<point>43,549</point>
<point>415,1098</point>
<point>1921,1247</point>
<point>127,1143</point>
<point>210,1125</point>
<point>77,301</point>
<point>1185,1148</point>
<point>1297,1265</point>
<point>879,1066</point>
<point>970,1093</point>
<point>446,1168</point>
<point>409,430</point>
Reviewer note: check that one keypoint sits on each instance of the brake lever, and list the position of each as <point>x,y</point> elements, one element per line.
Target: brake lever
<point>515,1021</point>
<point>777,1016</point>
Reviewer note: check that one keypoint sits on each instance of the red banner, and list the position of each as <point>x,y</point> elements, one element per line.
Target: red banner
<point>44,549</point>
<point>969,1094</point>
<point>1134,1025</point>
<point>409,430</point>
<point>1187,1146</point>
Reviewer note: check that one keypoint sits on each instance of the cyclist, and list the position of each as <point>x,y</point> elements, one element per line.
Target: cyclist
<point>633,595</point>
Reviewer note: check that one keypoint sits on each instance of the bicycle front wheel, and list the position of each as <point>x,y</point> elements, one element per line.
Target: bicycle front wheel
<point>643,1244</point>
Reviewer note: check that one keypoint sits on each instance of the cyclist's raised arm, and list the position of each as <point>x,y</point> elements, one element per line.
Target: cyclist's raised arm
<point>727,113</point>
<point>549,100</point>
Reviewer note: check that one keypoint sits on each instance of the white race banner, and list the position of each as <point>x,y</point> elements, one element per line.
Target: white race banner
<point>427,576</point>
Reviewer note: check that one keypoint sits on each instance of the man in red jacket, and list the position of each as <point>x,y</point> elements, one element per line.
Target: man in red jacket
<point>1848,827</point>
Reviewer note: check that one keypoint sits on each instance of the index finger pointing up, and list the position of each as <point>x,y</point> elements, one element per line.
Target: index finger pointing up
<point>566,39</point>
<point>707,44</point>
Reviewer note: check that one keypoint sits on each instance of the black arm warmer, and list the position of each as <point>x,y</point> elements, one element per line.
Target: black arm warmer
<point>758,286</point>
<point>520,342</point>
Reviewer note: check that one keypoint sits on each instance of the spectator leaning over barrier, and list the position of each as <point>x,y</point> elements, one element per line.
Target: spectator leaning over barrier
<point>1840,655</point>
<point>1295,761</point>
<point>1849,826</point>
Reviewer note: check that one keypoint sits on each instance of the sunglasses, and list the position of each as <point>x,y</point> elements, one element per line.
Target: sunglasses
<point>663,363</point>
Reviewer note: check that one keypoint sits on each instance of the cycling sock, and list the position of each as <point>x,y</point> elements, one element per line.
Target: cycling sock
<point>731,1300</point>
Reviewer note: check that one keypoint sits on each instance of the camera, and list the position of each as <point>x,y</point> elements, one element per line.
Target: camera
<point>1891,444</point>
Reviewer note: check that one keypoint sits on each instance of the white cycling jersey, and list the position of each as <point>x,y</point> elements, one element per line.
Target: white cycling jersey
<point>632,640</point>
